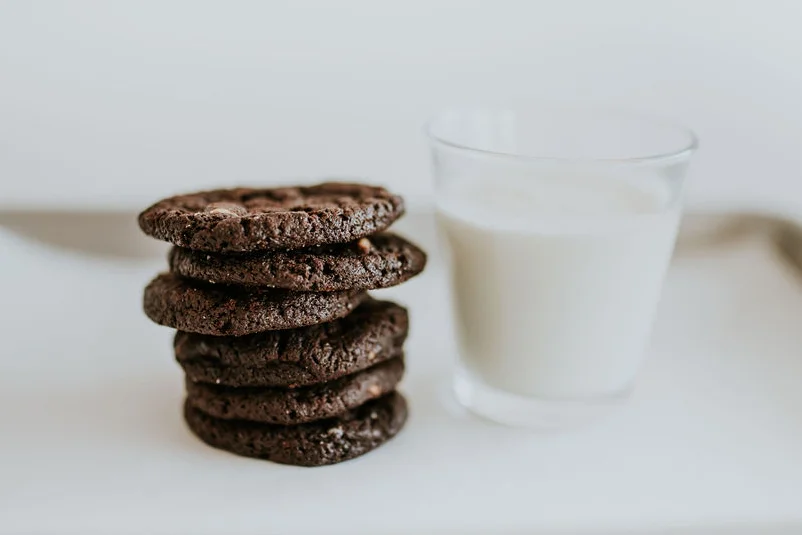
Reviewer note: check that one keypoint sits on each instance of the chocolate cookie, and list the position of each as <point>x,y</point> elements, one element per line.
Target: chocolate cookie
<point>245,219</point>
<point>330,441</point>
<point>378,261</point>
<point>296,405</point>
<point>374,332</point>
<point>233,311</point>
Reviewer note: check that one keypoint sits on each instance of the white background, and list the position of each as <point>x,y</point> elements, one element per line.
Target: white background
<point>113,104</point>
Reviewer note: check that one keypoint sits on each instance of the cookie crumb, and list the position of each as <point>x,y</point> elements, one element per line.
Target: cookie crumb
<point>374,415</point>
<point>336,432</point>
<point>226,208</point>
<point>364,246</point>
<point>374,390</point>
<point>371,355</point>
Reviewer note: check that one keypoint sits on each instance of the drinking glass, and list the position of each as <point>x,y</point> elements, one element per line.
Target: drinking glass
<point>560,225</point>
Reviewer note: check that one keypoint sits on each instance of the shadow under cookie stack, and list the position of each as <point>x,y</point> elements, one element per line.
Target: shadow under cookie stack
<point>286,356</point>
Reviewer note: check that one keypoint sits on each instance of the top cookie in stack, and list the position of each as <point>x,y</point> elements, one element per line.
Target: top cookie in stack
<point>250,262</point>
<point>244,219</point>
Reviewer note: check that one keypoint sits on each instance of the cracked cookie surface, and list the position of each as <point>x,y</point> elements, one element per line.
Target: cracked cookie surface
<point>234,311</point>
<point>253,219</point>
<point>374,332</point>
<point>330,441</point>
<point>377,261</point>
<point>292,406</point>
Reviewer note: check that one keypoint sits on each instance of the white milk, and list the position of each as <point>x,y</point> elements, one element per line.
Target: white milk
<point>556,281</point>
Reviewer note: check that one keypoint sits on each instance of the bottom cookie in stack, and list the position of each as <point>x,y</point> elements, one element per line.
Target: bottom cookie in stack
<point>333,440</point>
<point>309,396</point>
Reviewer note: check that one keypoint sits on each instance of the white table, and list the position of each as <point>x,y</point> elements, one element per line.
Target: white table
<point>93,441</point>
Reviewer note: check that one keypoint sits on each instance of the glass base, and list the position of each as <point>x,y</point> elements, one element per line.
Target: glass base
<point>524,411</point>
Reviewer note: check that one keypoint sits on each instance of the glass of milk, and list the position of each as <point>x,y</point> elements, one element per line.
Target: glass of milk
<point>560,226</point>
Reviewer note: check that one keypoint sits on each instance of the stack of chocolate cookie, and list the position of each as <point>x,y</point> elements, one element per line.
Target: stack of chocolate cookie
<point>286,356</point>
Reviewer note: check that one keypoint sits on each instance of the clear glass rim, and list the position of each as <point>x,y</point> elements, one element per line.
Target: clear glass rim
<point>683,151</point>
